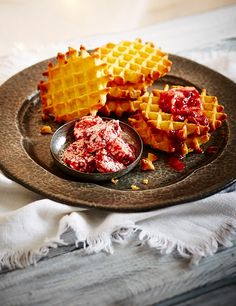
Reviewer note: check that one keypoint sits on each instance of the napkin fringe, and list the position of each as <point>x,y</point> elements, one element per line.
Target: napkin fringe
<point>208,247</point>
<point>104,240</point>
<point>22,259</point>
<point>162,243</point>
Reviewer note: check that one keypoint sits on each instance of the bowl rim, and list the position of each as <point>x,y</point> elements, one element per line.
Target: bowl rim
<point>88,175</point>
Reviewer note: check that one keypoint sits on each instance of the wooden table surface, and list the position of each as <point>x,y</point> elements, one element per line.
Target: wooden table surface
<point>133,275</point>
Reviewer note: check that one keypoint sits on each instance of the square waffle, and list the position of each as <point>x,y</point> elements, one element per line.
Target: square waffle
<point>178,119</point>
<point>76,86</point>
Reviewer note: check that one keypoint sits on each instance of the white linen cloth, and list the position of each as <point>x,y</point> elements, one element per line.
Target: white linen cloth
<point>30,225</point>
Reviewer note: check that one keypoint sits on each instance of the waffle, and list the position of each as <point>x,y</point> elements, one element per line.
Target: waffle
<point>127,91</point>
<point>177,130</point>
<point>134,62</point>
<point>120,100</point>
<point>133,67</point>
<point>213,110</point>
<point>119,107</point>
<point>76,86</point>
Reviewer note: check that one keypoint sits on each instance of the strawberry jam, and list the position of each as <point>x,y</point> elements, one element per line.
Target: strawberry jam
<point>98,147</point>
<point>212,150</point>
<point>183,104</point>
<point>175,163</point>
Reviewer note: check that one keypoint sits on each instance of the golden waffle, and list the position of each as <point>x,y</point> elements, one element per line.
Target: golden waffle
<point>161,131</point>
<point>134,62</point>
<point>161,139</point>
<point>120,99</point>
<point>119,107</point>
<point>213,110</point>
<point>127,91</point>
<point>133,67</point>
<point>76,86</point>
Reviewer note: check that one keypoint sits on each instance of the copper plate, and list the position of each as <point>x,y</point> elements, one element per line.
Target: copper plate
<point>25,153</point>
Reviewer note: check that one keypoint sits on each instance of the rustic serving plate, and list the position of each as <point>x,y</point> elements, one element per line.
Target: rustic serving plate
<point>25,153</point>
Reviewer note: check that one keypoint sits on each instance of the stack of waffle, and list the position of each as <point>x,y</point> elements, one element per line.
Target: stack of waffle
<point>114,79</point>
<point>177,120</point>
<point>109,79</point>
<point>133,67</point>
<point>76,86</point>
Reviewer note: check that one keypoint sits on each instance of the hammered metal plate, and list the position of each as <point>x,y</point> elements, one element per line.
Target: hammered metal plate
<point>25,153</point>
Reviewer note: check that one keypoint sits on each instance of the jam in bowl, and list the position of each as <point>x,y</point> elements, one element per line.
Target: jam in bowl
<point>96,149</point>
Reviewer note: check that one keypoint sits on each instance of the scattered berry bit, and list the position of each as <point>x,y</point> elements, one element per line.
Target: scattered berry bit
<point>46,129</point>
<point>134,187</point>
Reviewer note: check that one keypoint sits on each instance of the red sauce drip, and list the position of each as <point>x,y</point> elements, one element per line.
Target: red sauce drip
<point>212,150</point>
<point>199,150</point>
<point>177,140</point>
<point>183,103</point>
<point>175,163</point>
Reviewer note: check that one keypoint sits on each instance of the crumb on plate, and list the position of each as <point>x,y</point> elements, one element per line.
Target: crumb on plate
<point>46,129</point>
<point>145,181</point>
<point>152,157</point>
<point>147,162</point>
<point>114,180</point>
<point>134,187</point>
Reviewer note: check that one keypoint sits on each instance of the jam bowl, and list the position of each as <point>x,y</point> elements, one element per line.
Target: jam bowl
<point>64,136</point>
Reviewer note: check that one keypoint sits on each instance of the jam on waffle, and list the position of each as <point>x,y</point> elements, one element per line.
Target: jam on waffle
<point>178,119</point>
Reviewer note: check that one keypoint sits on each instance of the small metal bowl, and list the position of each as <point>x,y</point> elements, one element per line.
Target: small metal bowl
<point>64,136</point>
